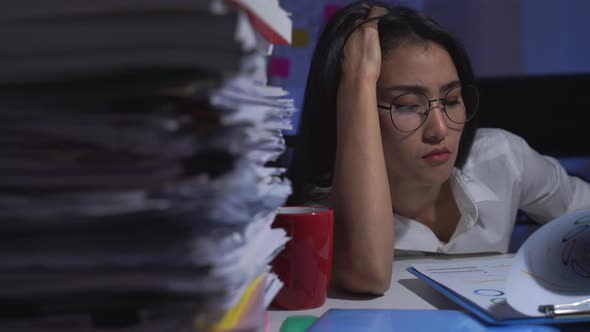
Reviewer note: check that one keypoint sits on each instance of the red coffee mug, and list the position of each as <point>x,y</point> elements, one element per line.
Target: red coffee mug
<point>305,264</point>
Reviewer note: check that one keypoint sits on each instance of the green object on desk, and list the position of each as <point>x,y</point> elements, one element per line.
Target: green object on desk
<point>297,323</point>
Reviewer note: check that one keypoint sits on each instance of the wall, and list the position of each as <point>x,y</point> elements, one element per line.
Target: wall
<point>491,31</point>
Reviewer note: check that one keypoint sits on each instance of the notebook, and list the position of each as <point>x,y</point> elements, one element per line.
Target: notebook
<point>420,320</point>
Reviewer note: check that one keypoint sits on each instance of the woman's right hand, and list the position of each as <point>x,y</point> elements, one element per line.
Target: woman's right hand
<point>362,52</point>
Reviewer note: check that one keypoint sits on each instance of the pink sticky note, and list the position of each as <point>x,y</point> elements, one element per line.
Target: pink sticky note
<point>279,67</point>
<point>329,10</point>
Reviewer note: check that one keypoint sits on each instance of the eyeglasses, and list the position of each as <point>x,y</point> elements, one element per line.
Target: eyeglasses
<point>410,110</point>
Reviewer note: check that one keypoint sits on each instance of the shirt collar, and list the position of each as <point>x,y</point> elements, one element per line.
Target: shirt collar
<point>468,192</point>
<point>412,235</point>
<point>473,189</point>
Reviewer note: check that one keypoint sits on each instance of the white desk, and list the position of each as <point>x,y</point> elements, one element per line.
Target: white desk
<point>406,292</point>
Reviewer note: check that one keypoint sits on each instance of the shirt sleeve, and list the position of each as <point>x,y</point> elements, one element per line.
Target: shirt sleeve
<point>547,190</point>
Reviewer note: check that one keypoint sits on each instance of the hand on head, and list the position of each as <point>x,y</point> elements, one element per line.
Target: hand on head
<point>362,52</point>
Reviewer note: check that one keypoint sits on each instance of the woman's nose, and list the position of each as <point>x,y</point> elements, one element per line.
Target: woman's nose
<point>435,128</point>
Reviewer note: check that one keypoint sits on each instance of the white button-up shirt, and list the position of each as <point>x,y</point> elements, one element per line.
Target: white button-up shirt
<point>502,174</point>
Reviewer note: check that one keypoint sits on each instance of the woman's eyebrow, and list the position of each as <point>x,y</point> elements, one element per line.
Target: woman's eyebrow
<point>405,88</point>
<point>449,86</point>
<point>419,88</point>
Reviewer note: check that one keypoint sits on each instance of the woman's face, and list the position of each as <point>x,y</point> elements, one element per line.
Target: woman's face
<point>427,155</point>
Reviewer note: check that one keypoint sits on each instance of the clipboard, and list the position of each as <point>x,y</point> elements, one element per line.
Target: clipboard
<point>546,282</point>
<point>580,316</point>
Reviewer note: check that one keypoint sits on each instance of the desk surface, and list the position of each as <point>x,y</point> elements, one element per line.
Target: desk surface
<point>406,292</point>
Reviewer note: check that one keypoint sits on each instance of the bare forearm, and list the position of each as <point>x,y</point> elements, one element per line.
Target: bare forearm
<point>364,234</point>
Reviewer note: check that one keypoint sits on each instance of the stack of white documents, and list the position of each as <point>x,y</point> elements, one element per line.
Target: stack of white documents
<point>135,144</point>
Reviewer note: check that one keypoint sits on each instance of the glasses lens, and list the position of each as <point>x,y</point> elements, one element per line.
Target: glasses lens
<point>461,103</point>
<point>408,111</point>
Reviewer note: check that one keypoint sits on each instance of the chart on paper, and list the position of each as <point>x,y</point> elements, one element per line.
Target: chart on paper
<point>481,282</point>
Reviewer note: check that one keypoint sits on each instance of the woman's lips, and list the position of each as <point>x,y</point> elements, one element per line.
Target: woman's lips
<point>438,156</point>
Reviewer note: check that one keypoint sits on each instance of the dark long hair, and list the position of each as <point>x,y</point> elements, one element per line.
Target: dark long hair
<point>315,148</point>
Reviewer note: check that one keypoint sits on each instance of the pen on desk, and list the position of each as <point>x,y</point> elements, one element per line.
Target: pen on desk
<point>575,308</point>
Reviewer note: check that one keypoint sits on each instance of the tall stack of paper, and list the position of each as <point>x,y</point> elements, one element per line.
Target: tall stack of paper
<point>134,143</point>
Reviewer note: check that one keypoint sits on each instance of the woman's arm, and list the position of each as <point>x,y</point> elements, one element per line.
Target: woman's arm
<point>364,234</point>
<point>547,190</point>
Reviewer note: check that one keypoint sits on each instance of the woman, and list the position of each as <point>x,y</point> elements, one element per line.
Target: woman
<point>388,138</point>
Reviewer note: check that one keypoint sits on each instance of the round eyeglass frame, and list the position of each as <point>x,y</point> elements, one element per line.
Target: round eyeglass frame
<point>441,106</point>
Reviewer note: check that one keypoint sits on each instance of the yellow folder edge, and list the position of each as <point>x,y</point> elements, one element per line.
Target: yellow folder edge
<point>233,315</point>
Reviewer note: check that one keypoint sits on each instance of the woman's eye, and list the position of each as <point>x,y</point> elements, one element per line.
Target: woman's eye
<point>451,102</point>
<point>406,107</point>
